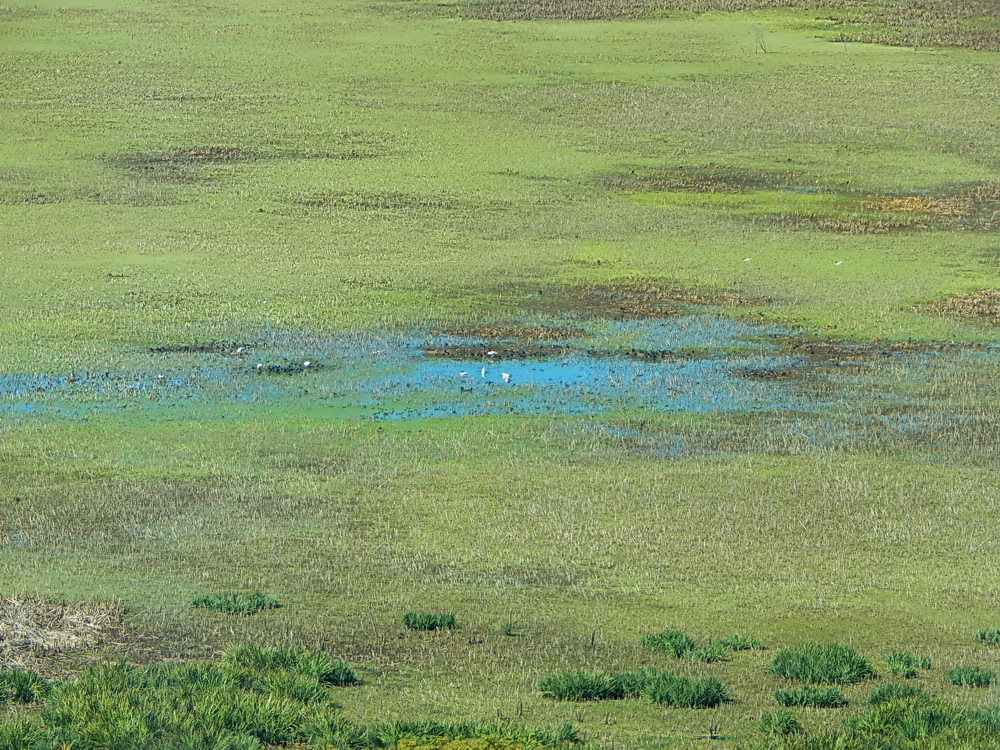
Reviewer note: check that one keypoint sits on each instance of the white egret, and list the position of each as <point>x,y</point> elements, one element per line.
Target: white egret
<point>505,376</point>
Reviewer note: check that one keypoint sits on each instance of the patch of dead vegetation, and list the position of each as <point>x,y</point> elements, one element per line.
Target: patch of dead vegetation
<point>36,632</point>
<point>983,305</point>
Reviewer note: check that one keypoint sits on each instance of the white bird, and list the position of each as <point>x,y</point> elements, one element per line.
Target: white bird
<point>483,372</point>
<point>306,363</point>
<point>491,353</point>
<point>463,373</point>
<point>505,376</point>
<point>258,366</point>
<point>839,263</point>
<point>240,350</point>
<point>746,260</point>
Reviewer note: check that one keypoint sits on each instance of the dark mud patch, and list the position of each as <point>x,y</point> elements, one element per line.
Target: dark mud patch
<point>393,203</point>
<point>235,348</point>
<point>498,352</point>
<point>385,201</point>
<point>708,178</point>
<point>29,198</point>
<point>930,23</point>
<point>970,206</point>
<point>522,332</point>
<point>190,164</point>
<point>635,299</point>
<point>982,306</point>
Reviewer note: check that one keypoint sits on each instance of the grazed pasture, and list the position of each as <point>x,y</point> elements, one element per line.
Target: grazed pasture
<point>565,367</point>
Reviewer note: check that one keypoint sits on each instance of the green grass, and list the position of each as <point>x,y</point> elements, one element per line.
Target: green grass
<point>905,664</point>
<point>581,685</point>
<point>430,620</point>
<point>295,659</point>
<point>237,602</point>
<point>822,662</point>
<point>22,686</point>
<point>222,173</point>
<point>970,676</point>
<point>808,695</point>
<point>990,637</point>
<point>891,692</point>
<point>779,723</point>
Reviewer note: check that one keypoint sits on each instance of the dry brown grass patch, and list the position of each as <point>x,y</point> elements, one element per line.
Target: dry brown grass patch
<point>983,305</point>
<point>34,629</point>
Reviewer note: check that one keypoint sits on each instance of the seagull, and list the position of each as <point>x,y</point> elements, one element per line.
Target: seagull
<point>505,376</point>
<point>483,372</point>
<point>491,353</point>
<point>240,350</point>
<point>306,363</point>
<point>259,366</point>
<point>746,260</point>
<point>839,263</point>
<point>463,373</point>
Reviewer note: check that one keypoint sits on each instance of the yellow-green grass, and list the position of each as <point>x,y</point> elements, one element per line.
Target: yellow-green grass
<point>406,170</point>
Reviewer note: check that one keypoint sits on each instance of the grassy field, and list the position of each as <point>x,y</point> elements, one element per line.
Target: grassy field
<point>737,262</point>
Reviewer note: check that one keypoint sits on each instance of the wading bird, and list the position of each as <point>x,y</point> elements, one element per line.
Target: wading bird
<point>505,376</point>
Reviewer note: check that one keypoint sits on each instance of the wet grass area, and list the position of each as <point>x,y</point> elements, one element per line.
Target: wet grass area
<point>689,363</point>
<point>786,199</point>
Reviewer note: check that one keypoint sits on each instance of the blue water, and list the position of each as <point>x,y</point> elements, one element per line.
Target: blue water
<point>696,367</point>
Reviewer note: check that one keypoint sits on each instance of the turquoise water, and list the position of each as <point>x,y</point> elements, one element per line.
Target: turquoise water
<point>693,363</point>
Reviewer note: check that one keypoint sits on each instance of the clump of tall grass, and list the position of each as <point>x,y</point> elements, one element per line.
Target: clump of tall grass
<point>893,691</point>
<point>672,689</point>
<point>251,701</point>
<point>822,662</point>
<point>904,664</point>
<point>913,723</point>
<point>991,637</point>
<point>808,695</point>
<point>970,676</point>
<point>672,642</point>
<point>779,723</point>
<point>581,685</point>
<point>738,643</point>
<point>237,602</point>
<point>22,686</point>
<point>294,659</point>
<point>430,620</point>
<point>499,735</point>
<point>687,692</point>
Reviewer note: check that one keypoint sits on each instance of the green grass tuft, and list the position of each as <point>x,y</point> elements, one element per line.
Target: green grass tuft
<point>672,642</point>
<point>819,697</point>
<point>991,637</point>
<point>672,689</point>
<point>893,691</point>
<point>22,686</point>
<point>581,685</point>
<point>779,723</point>
<point>738,643</point>
<point>822,662</point>
<point>970,676</point>
<point>430,620</point>
<point>904,664</point>
<point>237,602</point>
<point>294,659</point>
